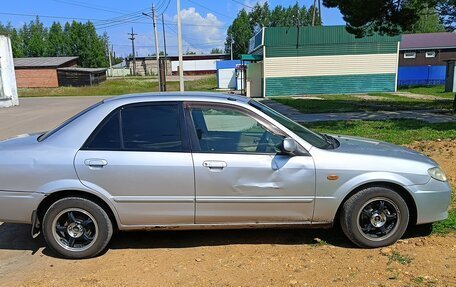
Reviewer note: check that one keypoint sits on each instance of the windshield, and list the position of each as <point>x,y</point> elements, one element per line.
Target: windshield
<point>309,136</point>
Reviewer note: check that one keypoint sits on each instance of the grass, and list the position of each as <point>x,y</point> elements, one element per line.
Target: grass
<point>119,86</point>
<point>401,259</point>
<point>438,91</point>
<point>446,226</point>
<point>394,131</point>
<point>371,102</point>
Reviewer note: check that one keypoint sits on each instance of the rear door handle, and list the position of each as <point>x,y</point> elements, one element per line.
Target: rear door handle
<point>214,164</point>
<point>95,162</point>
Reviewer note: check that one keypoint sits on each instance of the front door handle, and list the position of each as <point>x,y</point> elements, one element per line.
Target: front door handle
<point>214,164</point>
<point>95,162</point>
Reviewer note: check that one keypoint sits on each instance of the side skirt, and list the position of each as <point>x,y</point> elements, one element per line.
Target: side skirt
<point>227,226</point>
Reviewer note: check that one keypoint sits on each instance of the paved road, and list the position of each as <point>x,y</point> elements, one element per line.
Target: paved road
<point>422,115</point>
<point>40,114</point>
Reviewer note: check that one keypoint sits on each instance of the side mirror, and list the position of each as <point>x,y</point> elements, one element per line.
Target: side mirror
<point>289,145</point>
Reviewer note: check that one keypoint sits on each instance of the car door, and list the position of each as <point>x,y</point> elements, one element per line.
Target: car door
<point>240,176</point>
<point>140,156</point>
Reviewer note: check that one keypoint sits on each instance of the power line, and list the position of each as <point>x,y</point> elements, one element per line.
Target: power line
<point>106,21</point>
<point>74,3</point>
<point>209,9</point>
<point>93,5</point>
<point>51,17</point>
<point>119,22</point>
<point>239,2</point>
<point>166,7</point>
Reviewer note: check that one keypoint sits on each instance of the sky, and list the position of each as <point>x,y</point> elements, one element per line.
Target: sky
<point>204,21</point>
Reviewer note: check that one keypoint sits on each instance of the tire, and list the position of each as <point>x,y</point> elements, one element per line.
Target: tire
<point>368,223</point>
<point>77,228</point>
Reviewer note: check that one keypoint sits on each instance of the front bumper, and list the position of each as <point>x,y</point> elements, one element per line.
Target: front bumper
<point>432,201</point>
<point>17,207</point>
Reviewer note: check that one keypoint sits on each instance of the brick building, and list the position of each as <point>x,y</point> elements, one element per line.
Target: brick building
<point>40,72</point>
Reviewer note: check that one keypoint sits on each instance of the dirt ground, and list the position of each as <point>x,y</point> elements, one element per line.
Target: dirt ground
<point>240,257</point>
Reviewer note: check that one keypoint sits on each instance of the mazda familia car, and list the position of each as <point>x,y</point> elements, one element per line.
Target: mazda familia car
<point>206,160</point>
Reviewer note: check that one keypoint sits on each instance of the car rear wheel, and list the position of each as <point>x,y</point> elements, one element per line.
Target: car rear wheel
<point>374,217</point>
<point>77,228</point>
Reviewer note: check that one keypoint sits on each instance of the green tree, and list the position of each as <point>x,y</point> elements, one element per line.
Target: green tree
<point>239,32</point>
<point>278,17</point>
<point>245,25</point>
<point>34,37</point>
<point>56,41</point>
<point>216,51</point>
<point>84,42</point>
<point>16,41</point>
<point>190,52</point>
<point>428,22</point>
<point>260,17</point>
<point>390,17</point>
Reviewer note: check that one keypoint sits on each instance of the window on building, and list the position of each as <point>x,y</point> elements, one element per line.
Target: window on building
<point>430,54</point>
<point>409,55</point>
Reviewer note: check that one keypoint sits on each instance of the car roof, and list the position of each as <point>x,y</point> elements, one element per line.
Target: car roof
<point>180,96</point>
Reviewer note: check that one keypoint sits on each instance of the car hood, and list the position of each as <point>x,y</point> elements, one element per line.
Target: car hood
<point>364,146</point>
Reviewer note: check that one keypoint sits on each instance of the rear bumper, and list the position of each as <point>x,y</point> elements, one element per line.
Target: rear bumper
<point>17,207</point>
<point>432,201</point>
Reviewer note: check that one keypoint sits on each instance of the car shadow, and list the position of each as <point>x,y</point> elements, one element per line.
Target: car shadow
<point>17,237</point>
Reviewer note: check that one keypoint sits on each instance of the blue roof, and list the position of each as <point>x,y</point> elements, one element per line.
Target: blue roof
<point>227,64</point>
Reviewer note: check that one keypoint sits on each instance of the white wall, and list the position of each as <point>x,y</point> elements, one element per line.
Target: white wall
<point>195,65</point>
<point>8,88</point>
<point>330,65</point>
<point>227,78</point>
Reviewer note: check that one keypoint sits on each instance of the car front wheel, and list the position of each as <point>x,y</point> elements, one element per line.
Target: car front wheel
<point>77,228</point>
<point>374,217</point>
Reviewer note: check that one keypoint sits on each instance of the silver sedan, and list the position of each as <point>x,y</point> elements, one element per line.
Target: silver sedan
<point>204,160</point>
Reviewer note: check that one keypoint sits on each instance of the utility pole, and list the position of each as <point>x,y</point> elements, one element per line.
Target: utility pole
<point>231,47</point>
<point>157,49</point>
<point>166,55</point>
<point>313,12</point>
<point>179,43</point>
<point>110,61</point>
<point>319,11</point>
<point>132,38</point>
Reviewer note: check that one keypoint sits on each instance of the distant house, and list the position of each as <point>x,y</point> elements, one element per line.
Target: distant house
<point>422,58</point>
<point>193,64</point>
<point>40,72</point>
<point>77,76</point>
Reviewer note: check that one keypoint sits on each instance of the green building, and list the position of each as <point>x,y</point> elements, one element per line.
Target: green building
<point>320,60</point>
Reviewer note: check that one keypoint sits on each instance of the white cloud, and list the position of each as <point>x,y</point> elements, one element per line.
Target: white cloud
<point>201,32</point>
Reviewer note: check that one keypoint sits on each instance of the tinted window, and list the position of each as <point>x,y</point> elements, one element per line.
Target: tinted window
<point>106,136</point>
<point>226,130</point>
<point>151,128</point>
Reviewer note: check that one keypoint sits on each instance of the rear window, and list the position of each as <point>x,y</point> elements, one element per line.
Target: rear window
<point>149,127</point>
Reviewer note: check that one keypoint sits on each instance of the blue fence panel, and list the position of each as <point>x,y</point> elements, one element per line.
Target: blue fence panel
<point>421,75</point>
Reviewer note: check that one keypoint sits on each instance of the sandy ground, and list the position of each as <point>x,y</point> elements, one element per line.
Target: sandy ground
<point>240,257</point>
